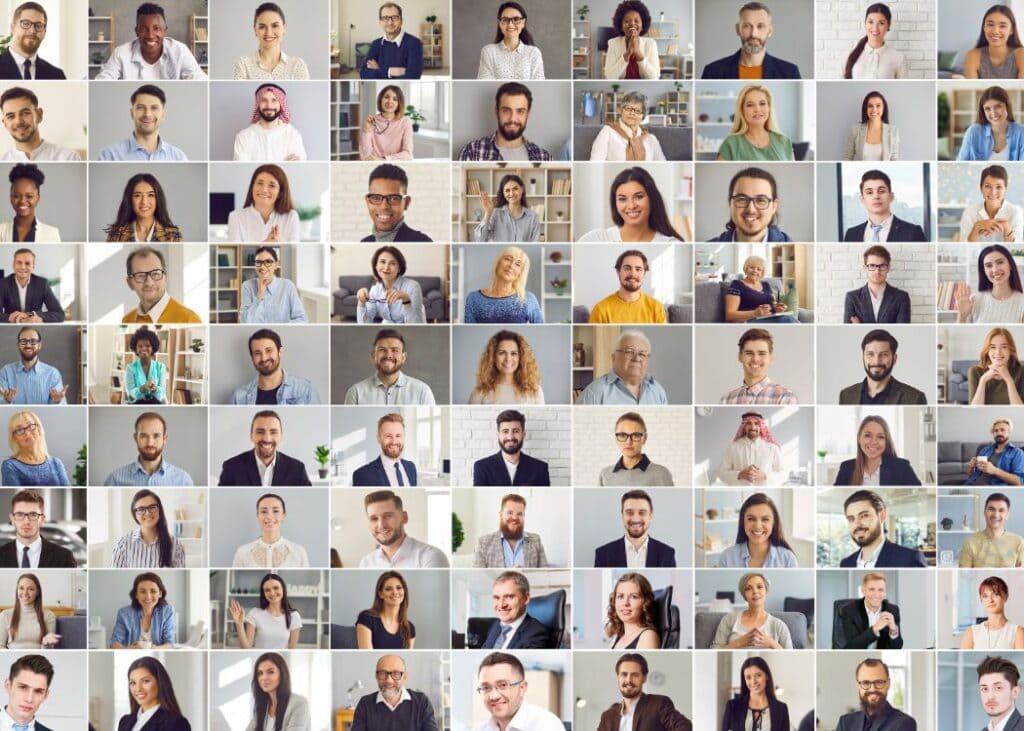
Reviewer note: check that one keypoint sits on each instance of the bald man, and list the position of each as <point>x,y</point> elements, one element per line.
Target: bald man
<point>393,707</point>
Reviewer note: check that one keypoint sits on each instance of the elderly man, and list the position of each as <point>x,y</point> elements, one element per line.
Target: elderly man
<point>753,457</point>
<point>393,706</point>
<point>510,546</point>
<point>627,383</point>
<point>270,137</point>
<point>396,54</point>
<point>628,303</point>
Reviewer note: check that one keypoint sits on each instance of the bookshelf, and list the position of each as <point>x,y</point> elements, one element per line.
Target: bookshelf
<point>432,37</point>
<point>554,306</point>
<point>190,367</point>
<point>598,342</point>
<point>789,262</point>
<point>122,356</point>
<point>199,40</point>
<point>101,41</point>
<point>189,518</point>
<point>548,192</point>
<point>581,49</point>
<point>954,267</point>
<point>307,593</point>
<point>715,115</point>
<point>230,265</point>
<point>346,119</point>
<point>186,369</point>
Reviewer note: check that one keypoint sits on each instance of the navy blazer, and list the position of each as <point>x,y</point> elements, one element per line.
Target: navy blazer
<point>531,635</point>
<point>899,231</point>
<point>162,720</point>
<point>610,555</point>
<point>771,68</point>
<point>1014,723</point>
<point>735,716</point>
<point>895,305</point>
<point>51,556</point>
<point>37,296</point>
<point>405,233</point>
<point>894,471</point>
<point>775,235</point>
<point>241,470</point>
<point>491,472</point>
<point>373,474</point>
<point>893,721</point>
<point>9,70</point>
<point>857,631</point>
<point>890,557</point>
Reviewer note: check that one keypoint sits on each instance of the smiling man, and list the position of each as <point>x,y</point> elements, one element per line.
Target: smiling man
<point>637,710</point>
<point>148,109</point>
<point>20,59</point>
<point>270,136</point>
<point>151,55</point>
<point>875,712</point>
<point>147,278</point>
<point>30,381</point>
<point>999,462</point>
<point>998,688</point>
<point>271,550</point>
<point>264,465</point>
<point>22,116</point>
<point>628,382</point>
<point>26,297</point>
<point>753,209</point>
<point>866,518</point>
<point>389,469</point>
<point>510,546</point>
<point>629,303</point>
<point>396,549</point>
<point>389,385</point>
<point>753,457</point>
<point>514,628</point>
<point>757,351</point>
<point>870,623</point>
<point>993,547</point>
<point>396,54</point>
<point>387,200</point>
<point>752,61</point>
<point>393,706</point>
<point>502,685</point>
<point>637,549</point>
<point>512,105</point>
<point>509,466</point>
<point>877,196</point>
<point>878,354</point>
<point>149,469</point>
<point>272,385</point>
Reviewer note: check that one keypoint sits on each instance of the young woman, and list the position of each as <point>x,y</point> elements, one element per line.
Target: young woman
<point>506,299</point>
<point>873,138</point>
<point>143,214</point>
<point>753,626</point>
<point>394,297</point>
<point>637,209</point>
<point>513,54</point>
<point>760,538</point>
<point>995,219</point>
<point>876,463</point>
<point>630,614</point>
<point>994,134</point>
<point>632,54</point>
<point>28,625</point>
<point>997,54</point>
<point>151,545</point>
<point>754,134</point>
<point>145,377</point>
<point>508,372</point>
<point>507,215</point>
<point>151,699</point>
<point>996,632</point>
<point>275,707</point>
<point>386,625</point>
<point>634,468</point>
<point>274,624</point>
<point>756,706</point>
<point>387,135</point>
<point>30,463</point>
<point>269,61</point>
<point>625,139</point>
<point>751,298</point>
<point>26,181</point>
<point>149,621</point>
<point>1000,297</point>
<point>998,379</point>
<point>871,58</point>
<point>267,297</point>
<point>268,215</point>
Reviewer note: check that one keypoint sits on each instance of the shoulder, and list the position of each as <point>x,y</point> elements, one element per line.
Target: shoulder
<point>365,618</point>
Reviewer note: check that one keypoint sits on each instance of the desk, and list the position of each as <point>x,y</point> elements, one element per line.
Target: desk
<point>343,719</point>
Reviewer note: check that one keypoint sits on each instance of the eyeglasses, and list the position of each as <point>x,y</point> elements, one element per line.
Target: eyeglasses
<point>26,516</point>
<point>393,674</point>
<point>877,267</point>
<point>636,436</point>
<point>514,20</point>
<point>633,110</point>
<point>155,274</point>
<point>761,202</point>
<point>27,24</point>
<point>28,341</point>
<point>501,686</point>
<point>876,684</point>
<point>146,510</point>
<point>634,354</point>
<point>28,428</point>
<point>264,263</point>
<point>390,18</point>
<point>376,199</point>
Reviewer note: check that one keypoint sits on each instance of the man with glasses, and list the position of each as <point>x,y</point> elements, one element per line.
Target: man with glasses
<point>31,381</point>
<point>999,686</point>
<point>501,684</point>
<point>26,297</point>
<point>273,385</point>
<point>393,706</point>
<point>387,202</point>
<point>264,465</point>
<point>271,136</point>
<point>151,55</point>
<point>876,196</point>
<point>628,303</point>
<point>509,467</point>
<point>29,550</point>
<point>267,297</point>
<point>878,355</point>
<point>628,382</point>
<point>875,712</point>
<point>389,386</point>
<point>148,107</point>
<point>753,457</point>
<point>753,209</point>
<point>756,355</point>
<point>147,277</point>
<point>149,469</point>
<point>395,55</point>
<point>877,301</point>
<point>512,104</point>
<point>19,61</point>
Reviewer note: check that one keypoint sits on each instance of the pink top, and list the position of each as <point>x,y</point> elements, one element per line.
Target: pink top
<point>394,143</point>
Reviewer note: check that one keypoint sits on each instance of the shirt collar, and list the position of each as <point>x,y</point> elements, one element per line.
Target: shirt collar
<point>643,546</point>
<point>397,41</point>
<point>401,699</point>
<point>136,52</point>
<point>758,387</point>
<point>159,470</point>
<point>157,310</point>
<point>399,383</point>
<point>35,545</point>
<point>20,59</point>
<point>642,465</point>
<point>133,143</point>
<point>881,394</point>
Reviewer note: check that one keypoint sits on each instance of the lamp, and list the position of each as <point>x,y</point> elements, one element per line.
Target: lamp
<point>358,685</point>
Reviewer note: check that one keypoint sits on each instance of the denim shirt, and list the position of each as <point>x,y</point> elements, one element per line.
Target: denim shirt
<point>1011,460</point>
<point>293,390</point>
<point>978,142</point>
<point>128,626</point>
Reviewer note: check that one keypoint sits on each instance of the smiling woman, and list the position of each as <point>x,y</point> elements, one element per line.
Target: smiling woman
<point>151,699</point>
<point>506,299</point>
<point>269,61</point>
<point>268,214</point>
<point>143,213</point>
<point>386,625</point>
<point>754,134</point>
<point>26,183</point>
<point>149,621</point>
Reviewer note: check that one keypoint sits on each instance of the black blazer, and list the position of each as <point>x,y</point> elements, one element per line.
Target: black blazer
<point>41,727</point>
<point>854,619</point>
<point>406,234</point>
<point>652,713</point>
<point>51,556</point>
<point>531,635</point>
<point>895,305</point>
<point>241,470</point>
<point>899,231</point>
<point>771,68</point>
<point>659,555</point>
<point>491,472</point>
<point>162,720</point>
<point>890,557</point>
<point>735,716</point>
<point>893,721</point>
<point>1014,723</point>
<point>38,296</point>
<point>9,70</point>
<point>899,394</point>
<point>373,474</point>
<point>894,471</point>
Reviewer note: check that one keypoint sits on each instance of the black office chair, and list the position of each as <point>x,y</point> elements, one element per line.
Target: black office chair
<point>838,635</point>
<point>666,618</point>
<point>804,606</point>
<point>730,595</point>
<point>548,609</point>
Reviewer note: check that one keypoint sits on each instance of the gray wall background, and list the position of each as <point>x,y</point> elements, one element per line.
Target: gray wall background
<point>670,347</point>
<point>911,591</point>
<point>597,517</point>
<point>474,25</point>
<point>65,707</point>
<point>959,25</point>
<point>231,105</point>
<point>176,14</point>
<point>110,117</point>
<point>479,261</point>
<point>911,110</point>
<point>109,591</point>
<point>303,352</point>
<point>111,444</point>
<point>423,668</point>
<point>304,427</point>
<point>53,261</point>
<point>184,186</point>
<point>670,272</point>
<point>65,431</point>
<point>974,424</point>
<point>64,184</point>
<point>429,597</point>
<point>354,438</point>
<point>784,582</point>
<point>964,342</point>
<point>61,348</point>
<point>793,39</point>
<point>793,365</point>
<point>602,12</point>
<point>590,592</point>
<point>796,197</point>
<point>594,680</point>
<point>550,120</point>
<point>233,512</point>
<point>550,345</point>
<point>231,23</point>
<point>841,362</point>
<point>713,433</point>
<point>426,347</point>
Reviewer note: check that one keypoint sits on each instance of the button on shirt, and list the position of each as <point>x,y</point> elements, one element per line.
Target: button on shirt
<point>266,470</point>
<point>513,556</point>
<point>176,62</point>
<point>130,149</point>
<point>879,63</point>
<point>33,384</point>
<point>610,389</point>
<point>134,474</point>
<point>762,392</point>
<point>636,558</point>
<point>412,554</point>
<point>406,391</point>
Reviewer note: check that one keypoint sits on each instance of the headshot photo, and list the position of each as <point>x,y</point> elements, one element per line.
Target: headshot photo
<point>37,373</point>
<point>900,689</point>
<point>522,447</point>
<point>978,42</point>
<point>378,283</point>
<point>882,45</point>
<point>872,365</point>
<point>162,528</point>
<point>48,611</point>
<point>982,284</point>
<point>872,609</point>
<point>764,529</point>
<point>405,366</point>
<point>247,443</point>
<point>644,203</point>
<point>482,356</point>
<point>177,680</point>
<point>517,284</point>
<point>409,683</point>
<point>978,203</point>
<point>496,203</point>
<point>755,203</point>
<point>773,284</point>
<point>43,284</point>
<point>618,528</point>
<point>650,121</point>
<point>142,365</point>
<point>979,365</point>
<point>269,284</point>
<point>53,59</point>
<point>524,41</point>
<point>532,532</point>
<point>875,120</point>
<point>630,365</point>
<point>35,215</point>
<point>987,692</point>
<point>141,447</point>
<point>46,523</point>
<point>147,122</point>
<point>763,355</point>
<point>147,37</point>
<point>374,447</point>
<point>762,40</point>
<point>630,446</point>
<point>282,364</point>
<point>401,120</point>
<point>374,50</point>
<point>876,529</point>
<point>752,690</point>
<point>61,137</point>
<point>755,122</point>
<point>875,203</point>
<point>261,41</point>
<point>263,615</point>
<point>268,121</point>
<point>978,447</point>
<point>986,534</point>
<point>654,688</point>
<point>871,284</point>
<point>615,285</point>
<point>496,115</point>
<point>167,206</point>
<point>155,287</point>
<point>629,609</point>
<point>31,462</point>
<point>32,675</point>
<point>979,609</point>
<point>529,610</point>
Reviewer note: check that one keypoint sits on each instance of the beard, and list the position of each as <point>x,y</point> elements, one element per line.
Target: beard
<point>269,115</point>
<point>266,370</point>
<point>511,446</point>
<point>870,538</point>
<point>631,692</point>
<point>999,439</point>
<point>630,285</point>
<point>512,132</point>
<point>150,453</point>
<point>391,693</point>
<point>873,706</point>
<point>510,533</point>
<point>874,374</point>
<point>754,47</point>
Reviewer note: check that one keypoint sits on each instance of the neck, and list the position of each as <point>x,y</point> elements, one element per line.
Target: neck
<point>275,607</point>
<point>34,455</point>
<point>18,720</point>
<point>392,37</point>
<point>758,700</point>
<point>873,607</point>
<point>142,225</point>
<point>151,465</point>
<point>996,621</point>
<point>271,380</point>
<point>266,460</point>
<point>145,307</point>
<point>875,124</point>
<point>27,541</point>
<point>742,237</point>
<point>756,130</point>
<point>1002,290</point>
<point>628,703</point>
<point>511,43</point>
<point>391,550</point>
<point>500,141</point>
<point>270,53</point>
<point>23,281</point>
<point>872,547</point>
<point>999,128</point>
<point>24,221</point>
<point>148,533</point>
<point>148,141</point>
<point>269,125</point>
<point>271,536</point>
<point>879,218</point>
<point>754,610</point>
<point>992,208</point>
<point>994,532</point>
<point>996,720</point>
<point>875,387</point>
<point>636,232</point>
<point>264,210</point>
<point>876,42</point>
<point>631,462</point>
<point>150,57</point>
<point>871,465</point>
<point>29,363</point>
<point>515,208</point>
<point>513,458</point>
<point>636,542</point>
<point>30,144</point>
<point>627,296</point>
<point>758,551</point>
<point>876,289</point>
<point>749,380</point>
<point>389,380</point>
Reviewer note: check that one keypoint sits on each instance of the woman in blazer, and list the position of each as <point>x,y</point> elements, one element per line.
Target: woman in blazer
<point>26,180</point>
<point>876,462</point>
<point>632,54</point>
<point>755,701</point>
<point>151,699</point>
<point>149,621</point>
<point>274,704</point>
<point>873,138</point>
<point>143,214</point>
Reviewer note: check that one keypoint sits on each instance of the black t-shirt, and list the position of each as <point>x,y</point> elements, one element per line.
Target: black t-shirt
<point>267,397</point>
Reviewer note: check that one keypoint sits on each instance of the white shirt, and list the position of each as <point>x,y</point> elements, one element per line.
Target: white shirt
<point>876,302</point>
<point>613,234</point>
<point>991,724</point>
<point>626,719</point>
<point>869,563</point>
<point>143,717</point>
<point>22,291</point>
<point>879,63</point>
<point>176,62</point>
<point>743,452</point>
<point>1002,155</point>
<point>19,60</point>
<point>256,143</point>
<point>401,699</point>
<point>411,554</point>
<point>156,310</point>
<point>266,470</point>
<point>636,558</point>
<point>246,225</point>
<point>872,479</point>
<point>498,62</point>
<point>609,145</point>
<point>271,631</point>
<point>389,470</point>
<point>7,722</point>
<point>35,550</point>
<point>260,555</point>
<point>975,212</point>
<point>883,233</point>
<point>528,718</point>
<point>46,152</point>
<point>512,467</point>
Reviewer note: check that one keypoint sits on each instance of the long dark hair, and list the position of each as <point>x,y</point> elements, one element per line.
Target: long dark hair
<point>286,607</point>
<point>994,93</point>
<point>658,219</point>
<point>857,478</point>
<point>778,536</point>
<point>500,199</point>
<point>399,257</point>
<point>37,605</point>
<point>524,34</point>
<point>1014,40</point>
<point>164,687</point>
<point>125,215</point>
<point>283,692</point>
<point>404,625</point>
<point>164,542</point>
<point>984,283</point>
<point>769,684</point>
<point>859,48</point>
<point>864,107</point>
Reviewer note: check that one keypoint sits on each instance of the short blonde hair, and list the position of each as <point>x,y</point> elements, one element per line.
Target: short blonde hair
<point>873,576</point>
<point>520,283</point>
<point>1002,420</point>
<point>754,259</point>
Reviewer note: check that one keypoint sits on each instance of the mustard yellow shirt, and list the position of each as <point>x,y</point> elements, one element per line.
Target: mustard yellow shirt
<point>612,309</point>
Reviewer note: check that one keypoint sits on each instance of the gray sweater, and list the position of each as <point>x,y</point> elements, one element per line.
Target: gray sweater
<point>296,716</point>
<point>653,475</point>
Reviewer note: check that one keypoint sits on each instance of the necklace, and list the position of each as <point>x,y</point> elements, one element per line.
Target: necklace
<point>998,635</point>
<point>380,130</point>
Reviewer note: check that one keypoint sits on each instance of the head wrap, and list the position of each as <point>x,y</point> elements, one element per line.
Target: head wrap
<point>282,99</point>
<point>766,433</point>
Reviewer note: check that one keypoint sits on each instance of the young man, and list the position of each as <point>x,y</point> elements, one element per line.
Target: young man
<point>27,686</point>
<point>509,466</point>
<point>871,623</point>
<point>21,60</point>
<point>999,686</point>
<point>270,137</point>
<point>389,469</point>
<point>22,116</point>
<point>877,196</point>
<point>29,550</point>
<point>510,546</point>
<point>753,457</point>
<point>147,111</point>
<point>639,711</point>
<point>999,462</point>
<point>264,465</point>
<point>149,469</point>
<point>637,549</point>
<point>502,685</point>
<point>271,550</point>
<point>147,278</point>
<point>875,712</point>
<point>396,549</point>
<point>753,209</point>
<point>272,385</point>
<point>30,381</point>
<point>395,55</point>
<point>389,385</point>
<point>757,351</point>
<point>866,517</point>
<point>512,105</point>
<point>629,303</point>
<point>628,382</point>
<point>151,55</point>
<point>877,301</point>
<point>878,355</point>
<point>387,201</point>
<point>752,60</point>
<point>26,297</point>
<point>993,547</point>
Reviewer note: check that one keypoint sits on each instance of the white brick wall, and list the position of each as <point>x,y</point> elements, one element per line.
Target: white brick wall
<point>474,435</point>
<point>840,24</point>
<point>840,269</point>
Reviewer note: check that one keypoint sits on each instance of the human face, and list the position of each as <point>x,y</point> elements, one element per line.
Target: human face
<point>268,676</point>
<point>993,190</point>
<point>388,356</point>
<point>24,199</point>
<point>864,523</point>
<point>27,40</point>
<point>871,440</point>
<point>143,200</point>
<point>512,519</point>
<point>876,197</point>
<point>266,356</point>
<point>629,602</point>
<point>387,267</point>
<point>147,114</point>
<point>875,27</point>
<point>997,268</point>
<point>510,436</point>
<point>750,221</point>
<point>265,190</point>
<point>877,269</point>
<point>27,591</point>
<point>147,593</point>
<point>631,359</point>
<point>265,435</point>
<point>391,437</point>
<point>28,438</point>
<point>631,448</point>
<point>513,192</point>
<point>879,360</point>
<point>754,30</point>
<point>875,108</point>
<point>755,357</point>
<point>995,112</point>
<point>391,21</point>
<point>753,270</point>
<point>631,273</point>
<point>502,705</point>
<point>386,215</point>
<point>151,517</point>
<point>511,24</point>
<point>997,694</point>
<point>872,698</point>
<point>269,105</point>
<point>150,439</point>
<point>387,522</point>
<point>631,679</point>
<point>997,29</point>
<point>633,203</point>
<point>758,522</point>
<point>509,603</point>
<point>389,686</point>
<point>513,112</point>
<point>270,29</point>
<point>756,108</point>
<point>266,266</point>
<point>636,517</point>
<point>28,528</point>
<point>273,592</point>
<point>29,345</point>
<point>755,592</point>
<point>752,427</point>
<point>996,514</point>
<point>874,593</point>
<point>392,593</point>
<point>144,688</point>
<point>25,692</point>
<point>506,358</point>
<point>150,31</point>
<point>389,103</point>
<point>632,24</point>
<point>1000,432</point>
<point>271,515</point>
<point>22,118</point>
<point>993,601</point>
<point>24,265</point>
<point>510,267</point>
<point>999,351</point>
<point>755,679</point>
<point>144,349</point>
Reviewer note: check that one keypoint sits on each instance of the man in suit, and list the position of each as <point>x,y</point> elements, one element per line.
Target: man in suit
<point>27,686</point>
<point>877,301</point>
<point>872,623</point>
<point>510,546</point>
<point>29,550</point>
<point>264,465</point>
<point>875,712</point>
<point>147,278</point>
<point>753,207</point>
<point>28,29</point>
<point>637,548</point>
<point>866,515</point>
<point>876,195</point>
<point>395,55</point>
<point>641,711</point>
<point>509,467</point>
<point>514,629</point>
<point>754,29</point>
<point>999,686</point>
<point>387,200</point>
<point>26,297</point>
<point>394,705</point>
<point>273,385</point>
<point>389,469</point>
<point>878,355</point>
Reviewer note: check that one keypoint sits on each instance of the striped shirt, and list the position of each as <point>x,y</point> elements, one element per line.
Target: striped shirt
<point>134,474</point>
<point>33,384</point>
<point>131,552</point>
<point>762,392</point>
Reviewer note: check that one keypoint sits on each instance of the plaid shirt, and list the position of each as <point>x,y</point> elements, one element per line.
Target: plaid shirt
<point>762,392</point>
<point>485,149</point>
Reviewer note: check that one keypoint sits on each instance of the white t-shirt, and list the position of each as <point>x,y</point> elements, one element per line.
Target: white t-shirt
<point>271,632</point>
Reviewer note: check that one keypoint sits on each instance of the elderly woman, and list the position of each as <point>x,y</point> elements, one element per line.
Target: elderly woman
<point>506,299</point>
<point>998,379</point>
<point>387,135</point>
<point>513,54</point>
<point>508,372</point>
<point>996,632</point>
<point>630,614</point>
<point>1000,295</point>
<point>754,134</point>
<point>394,297</point>
<point>994,135</point>
<point>876,463</point>
<point>995,219</point>
<point>145,378</point>
<point>26,182</point>
<point>270,62</point>
<point>625,139</point>
<point>632,54</point>
<point>751,298</point>
<point>30,463</point>
<point>634,468</point>
<point>507,215</point>
<point>760,538</point>
<point>873,138</point>
<point>753,626</point>
<point>149,621</point>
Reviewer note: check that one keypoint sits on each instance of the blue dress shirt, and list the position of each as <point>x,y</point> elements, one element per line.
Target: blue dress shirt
<point>737,556</point>
<point>280,303</point>
<point>129,149</point>
<point>512,556</point>
<point>134,474</point>
<point>398,312</point>
<point>33,384</point>
<point>293,390</point>
<point>610,389</point>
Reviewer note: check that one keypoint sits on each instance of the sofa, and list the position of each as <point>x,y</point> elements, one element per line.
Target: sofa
<point>953,458</point>
<point>706,624</point>
<point>709,301</point>
<point>345,296</point>
<point>674,314</point>
<point>958,391</point>
<point>676,142</point>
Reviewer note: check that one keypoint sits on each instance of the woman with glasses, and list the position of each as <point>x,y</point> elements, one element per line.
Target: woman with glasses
<point>143,214</point>
<point>756,707</point>
<point>275,707</point>
<point>267,215</point>
<point>998,379</point>
<point>145,378</point>
<point>625,139</point>
<point>274,624</point>
<point>270,62</point>
<point>513,54</point>
<point>995,219</point>
<point>632,54</point>
<point>760,538</point>
<point>30,463</point>
<point>149,621</point>
<point>28,626</point>
<point>1000,295</point>
<point>268,298</point>
<point>506,299</point>
<point>387,135</point>
<point>751,298</point>
<point>754,134</point>
<point>634,468</point>
<point>393,298</point>
<point>507,215</point>
<point>753,626</point>
<point>508,372</point>
<point>151,545</point>
<point>873,138</point>
<point>26,181</point>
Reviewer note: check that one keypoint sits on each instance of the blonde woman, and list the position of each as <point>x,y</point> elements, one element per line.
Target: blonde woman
<point>752,298</point>
<point>506,299</point>
<point>754,134</point>
<point>30,463</point>
<point>508,372</point>
<point>753,626</point>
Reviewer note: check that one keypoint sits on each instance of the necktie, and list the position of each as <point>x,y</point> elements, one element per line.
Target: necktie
<point>398,474</point>
<point>26,70</point>
<point>505,629</point>
<point>24,559</point>
<point>875,230</point>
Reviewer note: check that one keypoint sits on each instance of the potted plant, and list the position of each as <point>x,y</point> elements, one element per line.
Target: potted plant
<point>458,533</point>
<point>415,116</point>
<point>942,109</point>
<point>581,12</point>
<point>323,456</point>
<point>559,284</point>
<point>81,462</point>
<point>431,19</point>
<point>196,345</point>
<point>307,218</point>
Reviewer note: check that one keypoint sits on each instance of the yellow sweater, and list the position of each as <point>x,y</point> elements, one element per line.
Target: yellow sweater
<point>175,312</point>
<point>613,309</point>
